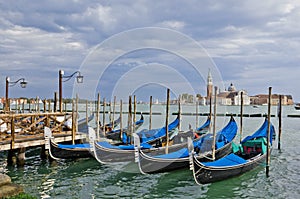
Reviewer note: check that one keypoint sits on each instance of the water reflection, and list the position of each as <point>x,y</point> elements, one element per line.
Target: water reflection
<point>46,187</point>
<point>86,178</point>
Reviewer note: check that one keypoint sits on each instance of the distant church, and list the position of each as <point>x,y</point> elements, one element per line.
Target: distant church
<point>209,90</point>
<point>232,96</point>
<point>228,97</point>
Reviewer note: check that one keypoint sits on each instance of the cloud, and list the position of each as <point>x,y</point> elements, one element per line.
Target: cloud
<point>40,38</point>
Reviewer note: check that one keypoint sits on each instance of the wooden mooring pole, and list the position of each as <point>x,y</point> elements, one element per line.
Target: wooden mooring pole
<point>179,113</point>
<point>121,123</point>
<point>23,107</point>
<point>210,111</point>
<point>110,112</point>
<point>268,157</point>
<point>197,104</point>
<point>98,116</point>
<point>134,113</point>
<point>214,125</point>
<point>150,114</point>
<point>55,102</point>
<point>12,146</point>
<point>21,157</point>
<point>167,121</point>
<point>86,113</point>
<point>76,114</point>
<point>37,104</point>
<point>44,153</point>
<point>129,129</point>
<point>45,105</point>
<point>114,112</point>
<point>279,122</point>
<point>11,157</point>
<point>103,117</point>
<point>49,106</point>
<point>73,122</point>
<point>241,116</point>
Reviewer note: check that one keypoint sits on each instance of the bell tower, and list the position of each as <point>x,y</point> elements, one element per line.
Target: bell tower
<point>209,85</point>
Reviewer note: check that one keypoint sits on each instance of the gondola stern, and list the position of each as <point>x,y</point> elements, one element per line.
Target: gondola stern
<point>137,152</point>
<point>48,142</point>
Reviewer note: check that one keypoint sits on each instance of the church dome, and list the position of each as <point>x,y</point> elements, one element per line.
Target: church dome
<point>231,88</point>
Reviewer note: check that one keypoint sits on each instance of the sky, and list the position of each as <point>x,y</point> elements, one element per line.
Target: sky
<point>142,47</point>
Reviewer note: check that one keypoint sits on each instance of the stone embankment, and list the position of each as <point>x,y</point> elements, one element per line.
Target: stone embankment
<point>7,188</point>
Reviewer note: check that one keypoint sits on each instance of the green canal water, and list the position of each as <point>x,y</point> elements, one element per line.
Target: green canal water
<point>86,178</point>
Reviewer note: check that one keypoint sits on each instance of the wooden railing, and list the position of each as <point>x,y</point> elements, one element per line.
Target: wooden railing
<point>15,126</point>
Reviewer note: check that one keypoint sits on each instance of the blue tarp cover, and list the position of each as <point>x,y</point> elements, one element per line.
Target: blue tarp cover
<point>228,131</point>
<point>154,134</point>
<point>74,146</point>
<point>124,147</point>
<point>261,132</point>
<point>182,153</point>
<point>205,125</point>
<point>227,134</point>
<point>229,160</point>
<point>104,144</point>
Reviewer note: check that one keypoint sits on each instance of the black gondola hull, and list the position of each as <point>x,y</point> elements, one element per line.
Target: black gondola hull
<point>112,155</point>
<point>149,164</point>
<point>204,175</point>
<point>66,153</point>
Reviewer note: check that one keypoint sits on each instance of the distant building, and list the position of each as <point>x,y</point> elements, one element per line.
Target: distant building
<point>232,96</point>
<point>201,100</point>
<point>14,100</point>
<point>187,99</point>
<point>263,99</point>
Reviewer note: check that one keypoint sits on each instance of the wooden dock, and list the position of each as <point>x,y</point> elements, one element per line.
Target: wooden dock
<point>19,131</point>
<point>39,140</point>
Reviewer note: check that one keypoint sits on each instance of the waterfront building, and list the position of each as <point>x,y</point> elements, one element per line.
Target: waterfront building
<point>263,99</point>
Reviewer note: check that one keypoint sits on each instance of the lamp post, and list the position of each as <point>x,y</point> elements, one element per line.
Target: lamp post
<point>61,76</point>
<point>8,83</point>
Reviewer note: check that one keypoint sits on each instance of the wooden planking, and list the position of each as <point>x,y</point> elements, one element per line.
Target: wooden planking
<point>39,141</point>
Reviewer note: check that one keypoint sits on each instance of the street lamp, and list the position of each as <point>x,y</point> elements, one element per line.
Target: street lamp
<point>61,76</point>
<point>23,84</point>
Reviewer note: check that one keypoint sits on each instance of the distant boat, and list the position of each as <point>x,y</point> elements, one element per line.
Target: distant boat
<point>297,106</point>
<point>255,106</point>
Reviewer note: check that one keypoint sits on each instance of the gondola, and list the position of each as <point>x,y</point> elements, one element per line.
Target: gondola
<point>204,128</point>
<point>110,126</point>
<point>105,152</point>
<point>116,134</point>
<point>157,136</point>
<point>250,154</point>
<point>65,151</point>
<point>68,151</point>
<point>180,159</point>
